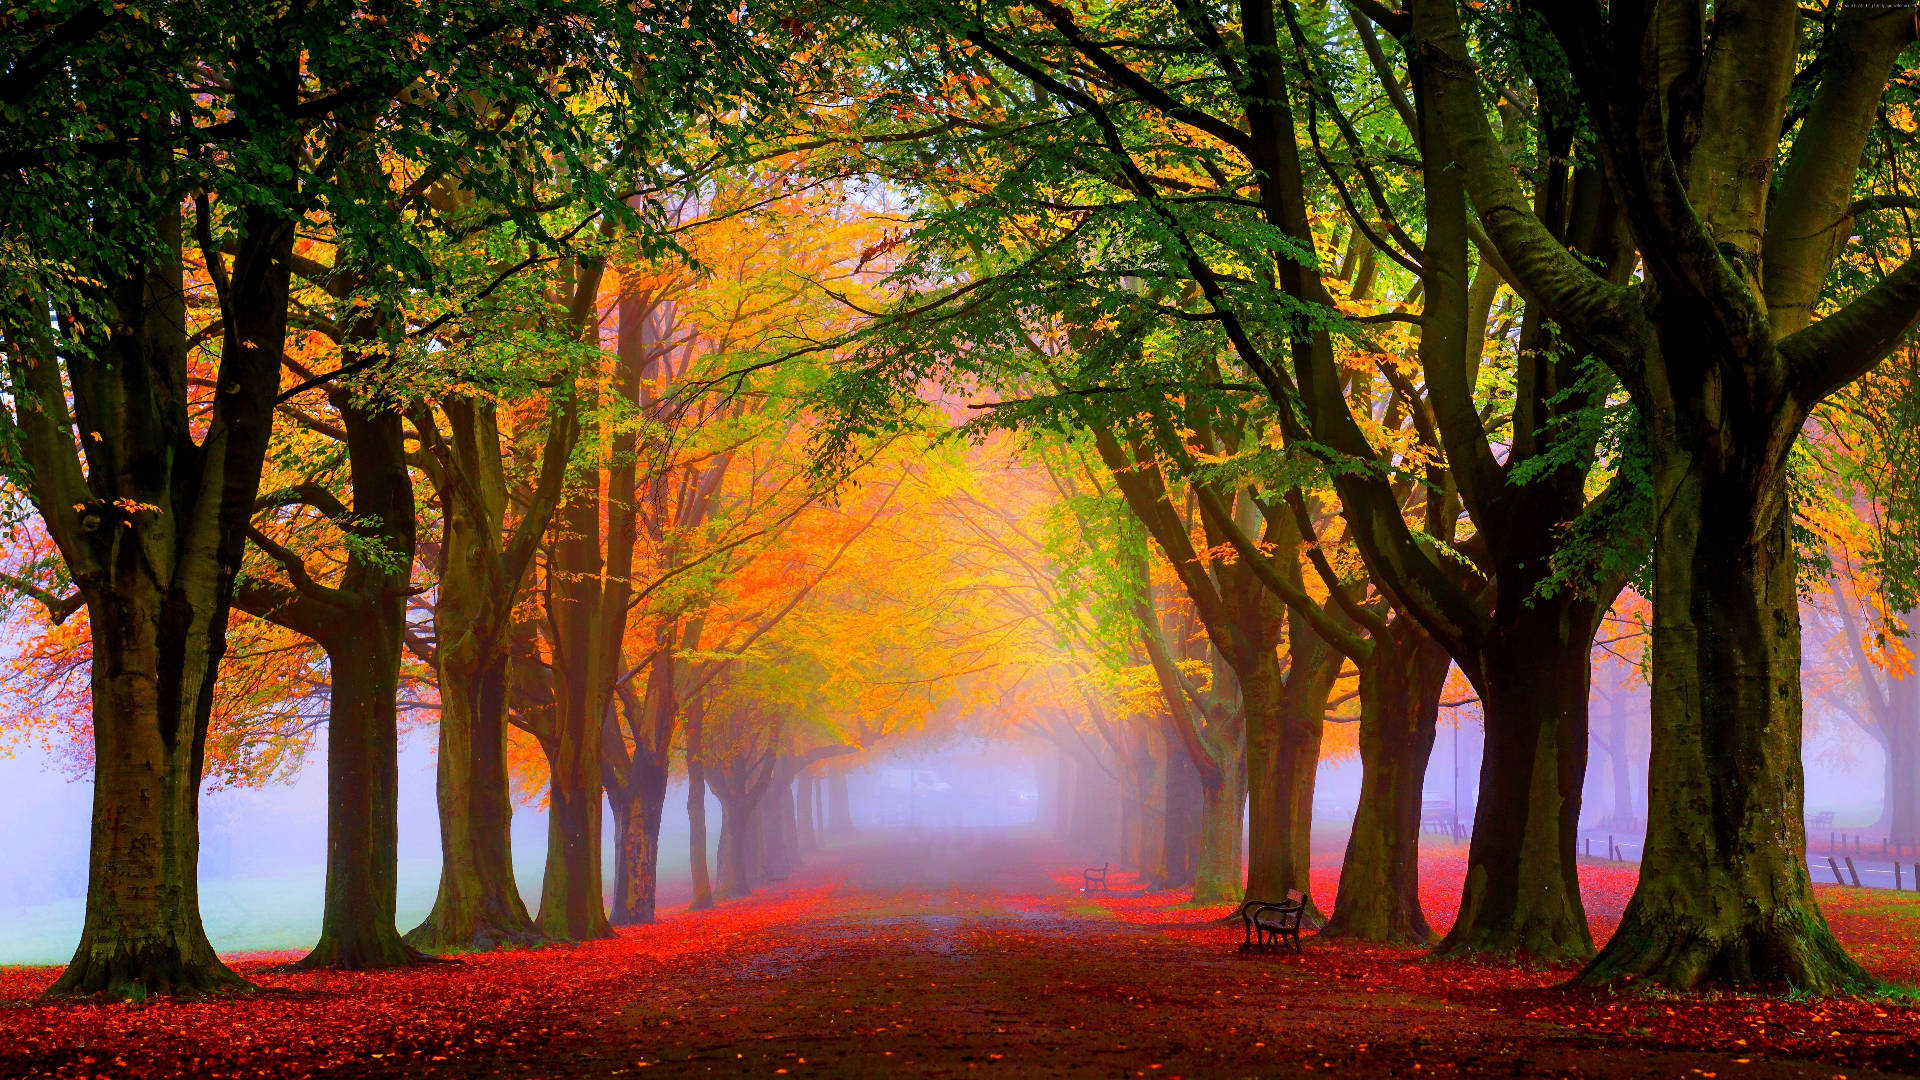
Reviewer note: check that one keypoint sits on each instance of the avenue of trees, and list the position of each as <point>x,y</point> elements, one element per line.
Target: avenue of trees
<point>683,391</point>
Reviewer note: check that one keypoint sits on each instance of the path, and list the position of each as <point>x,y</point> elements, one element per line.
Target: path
<point>949,955</point>
<point>944,954</point>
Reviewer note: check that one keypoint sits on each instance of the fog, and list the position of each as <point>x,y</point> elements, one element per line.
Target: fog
<point>263,849</point>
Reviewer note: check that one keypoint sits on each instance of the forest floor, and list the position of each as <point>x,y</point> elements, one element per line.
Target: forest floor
<point>956,953</point>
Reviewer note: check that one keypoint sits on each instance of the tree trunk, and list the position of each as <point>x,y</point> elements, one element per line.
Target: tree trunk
<point>153,532</point>
<point>1186,801</point>
<point>1724,893</point>
<point>143,933</point>
<point>1626,815</point>
<point>636,870</point>
<point>737,854</point>
<point>1379,897</point>
<point>697,809</point>
<point>774,818</point>
<point>1900,740</point>
<point>357,931</point>
<point>839,804</point>
<point>1093,805</point>
<point>571,908</point>
<point>1286,719</point>
<point>1066,773</point>
<point>803,810</point>
<point>1217,877</point>
<point>479,904</point>
<point>362,626</point>
<point>1523,888</point>
<point>1153,806</point>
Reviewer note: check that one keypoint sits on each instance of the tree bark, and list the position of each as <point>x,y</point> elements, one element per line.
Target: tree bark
<point>364,643</point>
<point>1523,887</point>
<point>697,807</point>
<point>803,804</point>
<point>636,869</point>
<point>479,904</point>
<point>153,534</point>
<point>1223,807</point>
<point>1152,770</point>
<point>143,933</point>
<point>1901,744</point>
<point>1379,898</point>
<point>1724,893</point>
<point>1286,719</point>
<point>1185,800</point>
<point>739,853</point>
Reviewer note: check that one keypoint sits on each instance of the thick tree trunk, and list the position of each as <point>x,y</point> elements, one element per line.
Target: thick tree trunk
<point>636,870</point>
<point>143,933</point>
<point>571,908</point>
<point>1066,774</point>
<point>1217,877</point>
<point>1625,814</point>
<point>1129,847</point>
<point>1285,722</point>
<point>1153,807</point>
<point>479,904</point>
<point>1095,800</point>
<point>1379,898</point>
<point>774,818</point>
<point>154,536</point>
<point>1186,801</point>
<point>1899,733</point>
<point>357,931</point>
<point>738,851</point>
<point>1902,748</point>
<point>1724,893</point>
<point>1523,888</point>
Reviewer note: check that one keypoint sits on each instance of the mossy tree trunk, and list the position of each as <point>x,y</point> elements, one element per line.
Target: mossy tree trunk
<point>1724,893</point>
<point>482,564</point>
<point>1523,888</point>
<point>1217,872</point>
<point>361,623</point>
<point>1737,231</point>
<point>1400,684</point>
<point>151,525</point>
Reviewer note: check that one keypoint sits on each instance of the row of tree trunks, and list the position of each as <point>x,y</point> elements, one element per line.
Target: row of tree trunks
<point>483,563</point>
<point>589,581</point>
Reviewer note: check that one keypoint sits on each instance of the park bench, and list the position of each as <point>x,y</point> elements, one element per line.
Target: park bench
<point>1821,820</point>
<point>1273,922</point>
<point>1094,879</point>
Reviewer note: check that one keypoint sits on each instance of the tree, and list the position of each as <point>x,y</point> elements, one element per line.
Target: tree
<point>1720,351</point>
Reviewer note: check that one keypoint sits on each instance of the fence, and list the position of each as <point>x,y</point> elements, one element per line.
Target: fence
<point>1888,871</point>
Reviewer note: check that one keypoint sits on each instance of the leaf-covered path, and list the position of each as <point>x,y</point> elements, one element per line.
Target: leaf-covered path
<point>947,955</point>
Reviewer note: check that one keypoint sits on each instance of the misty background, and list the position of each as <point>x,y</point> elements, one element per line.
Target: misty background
<point>262,855</point>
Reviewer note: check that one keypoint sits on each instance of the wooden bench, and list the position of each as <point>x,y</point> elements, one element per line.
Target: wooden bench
<point>1273,922</point>
<point>1094,879</point>
<point>1437,815</point>
<point>1821,820</point>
